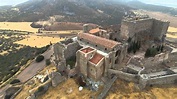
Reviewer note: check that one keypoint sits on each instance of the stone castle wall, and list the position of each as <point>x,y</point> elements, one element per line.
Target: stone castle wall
<point>144,29</point>
<point>129,28</point>
<point>159,28</point>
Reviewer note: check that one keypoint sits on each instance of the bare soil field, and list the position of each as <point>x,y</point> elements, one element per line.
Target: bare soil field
<point>21,26</point>
<point>62,26</point>
<point>38,41</point>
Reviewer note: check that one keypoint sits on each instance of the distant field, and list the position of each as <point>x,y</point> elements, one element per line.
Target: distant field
<point>63,32</point>
<point>38,41</point>
<point>21,26</point>
<point>172,32</point>
<point>172,29</point>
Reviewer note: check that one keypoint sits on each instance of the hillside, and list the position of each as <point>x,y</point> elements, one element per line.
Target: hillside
<point>102,12</point>
<point>99,12</point>
<point>139,5</point>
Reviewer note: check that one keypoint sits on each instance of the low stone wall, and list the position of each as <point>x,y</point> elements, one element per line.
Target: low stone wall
<point>143,80</point>
<point>45,86</point>
<point>168,79</point>
<point>125,76</point>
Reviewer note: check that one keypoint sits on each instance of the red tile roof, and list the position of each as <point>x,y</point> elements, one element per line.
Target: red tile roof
<point>86,50</point>
<point>98,40</point>
<point>93,31</point>
<point>96,58</point>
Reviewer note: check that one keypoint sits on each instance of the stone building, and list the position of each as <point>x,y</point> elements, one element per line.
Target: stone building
<point>100,32</point>
<point>98,55</point>
<point>144,29</point>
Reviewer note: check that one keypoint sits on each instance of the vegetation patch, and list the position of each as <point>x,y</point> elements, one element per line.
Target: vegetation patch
<point>151,52</point>
<point>39,58</point>
<point>47,62</point>
<point>17,55</point>
<point>15,81</point>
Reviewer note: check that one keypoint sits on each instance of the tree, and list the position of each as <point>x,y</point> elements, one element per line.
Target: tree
<point>147,54</point>
<point>39,58</point>
<point>129,49</point>
<point>151,52</point>
<point>162,47</point>
<point>15,81</point>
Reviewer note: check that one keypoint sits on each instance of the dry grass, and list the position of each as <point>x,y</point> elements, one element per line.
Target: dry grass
<point>120,90</point>
<point>124,90</point>
<point>63,91</point>
<point>21,26</point>
<point>38,41</point>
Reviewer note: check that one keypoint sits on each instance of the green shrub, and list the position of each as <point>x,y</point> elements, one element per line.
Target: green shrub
<point>151,52</point>
<point>41,88</point>
<point>39,58</point>
<point>47,62</point>
<point>15,81</point>
<point>46,78</point>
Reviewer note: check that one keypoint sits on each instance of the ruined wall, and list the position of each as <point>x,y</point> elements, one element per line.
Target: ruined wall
<point>124,76</point>
<point>58,50</point>
<point>153,61</point>
<point>71,49</point>
<point>66,51</point>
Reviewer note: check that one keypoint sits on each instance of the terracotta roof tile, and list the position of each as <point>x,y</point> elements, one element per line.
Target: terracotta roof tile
<point>96,58</point>
<point>86,50</point>
<point>98,40</point>
<point>93,31</point>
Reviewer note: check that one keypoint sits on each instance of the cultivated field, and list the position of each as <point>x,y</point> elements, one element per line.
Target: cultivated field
<point>172,32</point>
<point>38,41</point>
<point>21,26</point>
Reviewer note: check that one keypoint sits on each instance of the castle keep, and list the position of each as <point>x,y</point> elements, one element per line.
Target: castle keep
<point>144,29</point>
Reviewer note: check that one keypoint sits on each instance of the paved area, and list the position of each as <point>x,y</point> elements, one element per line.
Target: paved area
<point>30,71</point>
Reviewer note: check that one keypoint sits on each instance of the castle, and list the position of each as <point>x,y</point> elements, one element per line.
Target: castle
<point>98,53</point>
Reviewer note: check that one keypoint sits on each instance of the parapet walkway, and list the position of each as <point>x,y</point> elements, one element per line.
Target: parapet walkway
<point>107,88</point>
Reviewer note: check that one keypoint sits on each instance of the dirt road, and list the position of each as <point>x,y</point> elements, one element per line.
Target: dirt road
<point>30,71</point>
